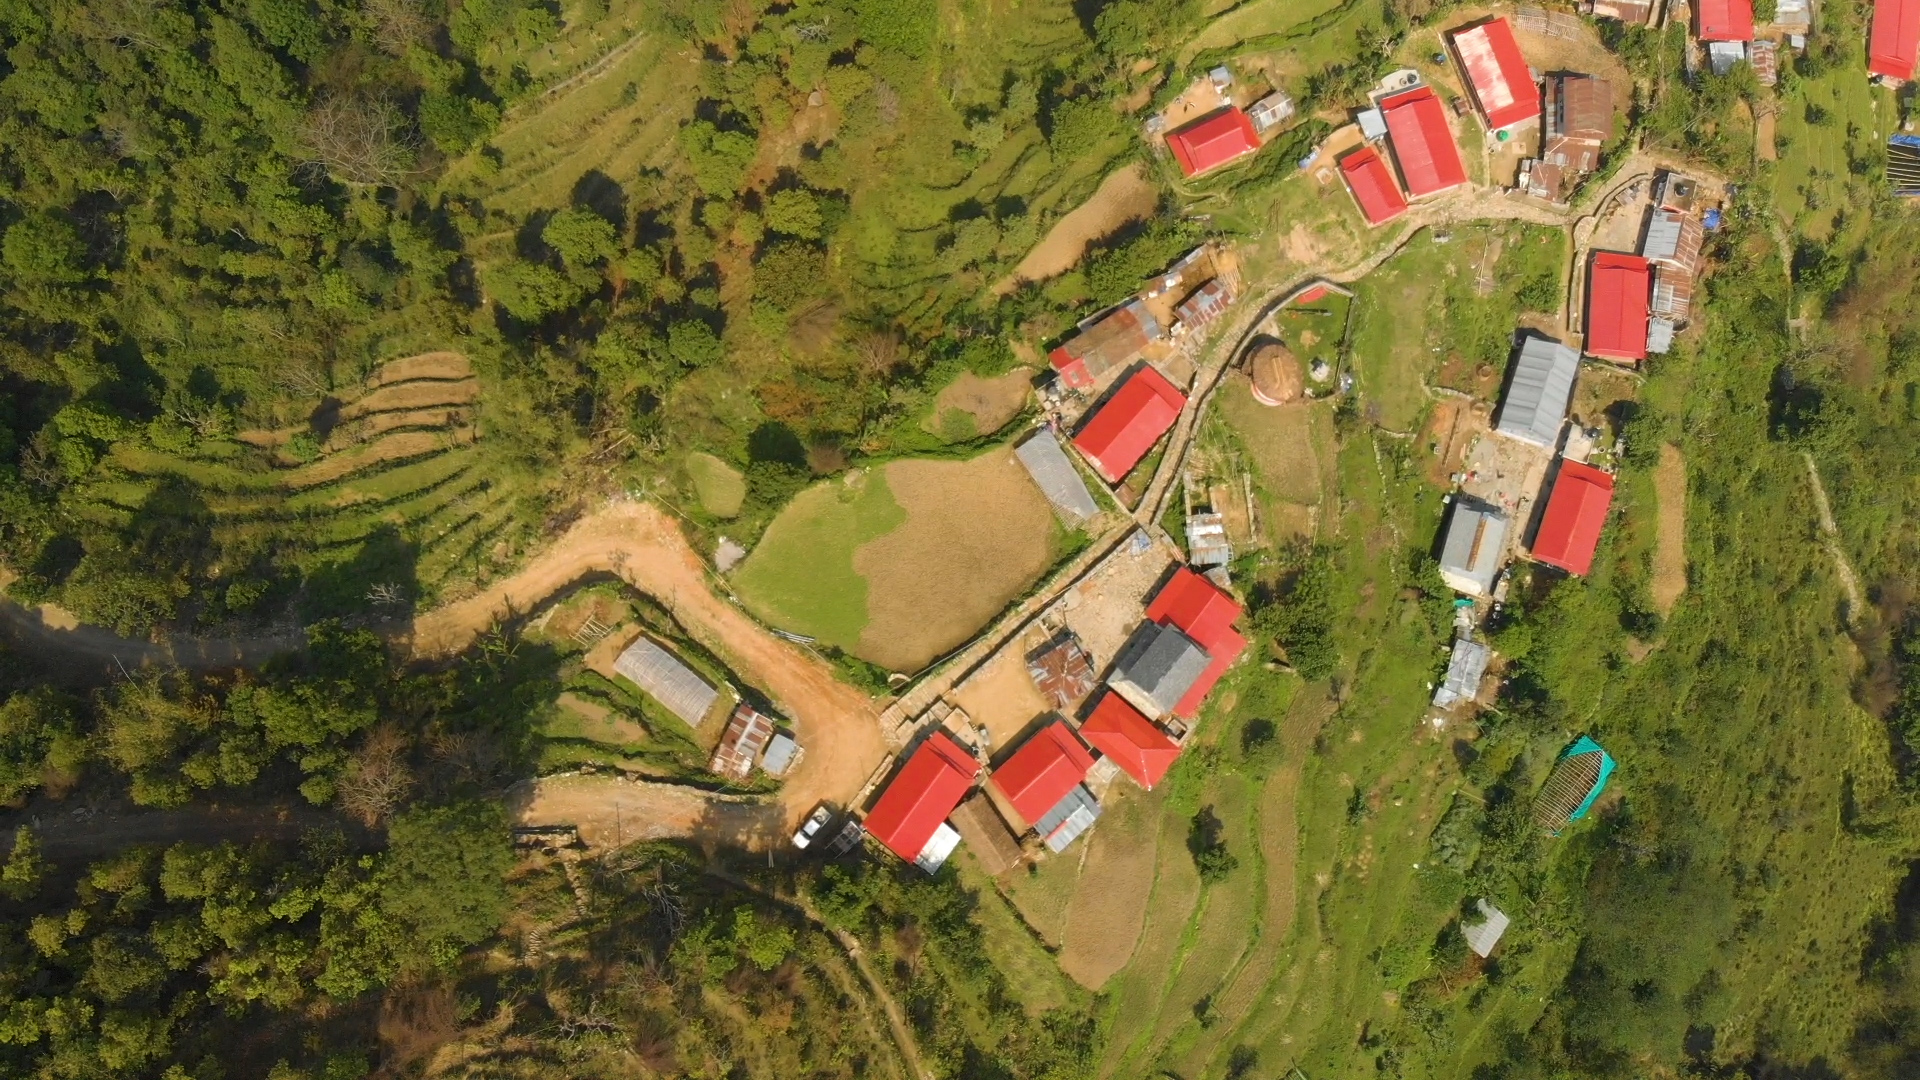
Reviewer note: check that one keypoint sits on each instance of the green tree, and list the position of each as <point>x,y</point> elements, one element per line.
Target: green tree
<point>25,867</point>
<point>789,275</point>
<point>719,158</point>
<point>795,213</point>
<point>40,743</point>
<point>444,877</point>
<point>1304,619</point>
<point>908,27</point>
<point>531,291</point>
<point>766,945</point>
<point>692,343</point>
<point>42,249</point>
<point>582,237</point>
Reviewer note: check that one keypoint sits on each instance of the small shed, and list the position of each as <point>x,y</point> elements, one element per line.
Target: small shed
<point>1465,669</point>
<point>1660,336</point>
<point>1156,668</point>
<point>1276,375</point>
<point>1204,305</point>
<point>1677,193</point>
<point>1062,671</point>
<point>1576,783</point>
<point>782,753</point>
<point>1372,185</point>
<point>1674,240</point>
<point>666,679</point>
<point>1070,817</point>
<point>1476,540</point>
<point>1539,392</point>
<point>987,834</point>
<point>1482,936</point>
<point>747,734</point>
<point>1056,477</point>
<point>1275,108</point>
<point>1207,543</point>
<point>1373,125</point>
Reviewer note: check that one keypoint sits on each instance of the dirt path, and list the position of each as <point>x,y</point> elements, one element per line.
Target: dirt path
<point>1125,195</point>
<point>1670,537</point>
<point>1830,535</point>
<point>838,725</point>
<point>612,811</point>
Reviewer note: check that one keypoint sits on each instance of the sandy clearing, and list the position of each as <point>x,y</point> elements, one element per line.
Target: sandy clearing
<point>407,444</point>
<point>417,394</point>
<point>839,726</point>
<point>1002,696</point>
<point>611,811</point>
<point>1125,195</point>
<point>1109,909</point>
<point>977,533</point>
<point>1670,538</point>
<point>993,403</point>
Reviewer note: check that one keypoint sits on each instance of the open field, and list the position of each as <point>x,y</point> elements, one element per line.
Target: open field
<point>801,575</point>
<point>1126,195</point>
<point>719,486</point>
<point>1288,450</point>
<point>1109,906</point>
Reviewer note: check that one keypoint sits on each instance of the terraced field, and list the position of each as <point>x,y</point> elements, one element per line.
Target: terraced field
<point>400,485</point>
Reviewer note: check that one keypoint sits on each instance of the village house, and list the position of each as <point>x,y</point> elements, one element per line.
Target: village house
<point>1893,43</point>
<point>1130,740</point>
<point>1579,121</point>
<point>1569,532</point>
<point>1042,783</point>
<point>1475,542</point>
<point>1115,438</point>
<point>1497,76</point>
<point>1105,343</point>
<point>1213,141</point>
<point>1538,391</point>
<point>1372,186</point>
<point>910,815</point>
<point>1619,288</point>
<point>1422,142</point>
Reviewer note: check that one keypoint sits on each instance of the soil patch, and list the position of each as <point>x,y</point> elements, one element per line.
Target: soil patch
<point>719,486</point>
<point>611,812</point>
<point>977,534</point>
<point>991,404</point>
<point>1670,539</point>
<point>1125,195</point>
<point>1001,696</point>
<point>1109,908</point>
<point>1763,137</point>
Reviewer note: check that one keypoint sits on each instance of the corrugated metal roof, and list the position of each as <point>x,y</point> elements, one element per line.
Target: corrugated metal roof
<point>1217,140</point>
<point>1074,814</point>
<point>1131,421</point>
<point>1058,480</point>
<point>1106,342</point>
<point>1660,336</point>
<point>781,750</point>
<point>1618,289</point>
<point>1663,235</point>
<point>1475,543</point>
<point>1372,185</point>
<point>667,680</point>
<point>1423,141</point>
<point>1485,934</point>
<point>1497,73</point>
<point>1465,669</point>
<point>1576,512</point>
<point>1160,664</point>
<point>1538,395</point>
<point>746,735</point>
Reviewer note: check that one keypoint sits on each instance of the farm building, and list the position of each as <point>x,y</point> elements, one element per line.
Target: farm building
<point>1539,391</point>
<point>1765,57</point>
<point>1677,193</point>
<point>1793,16</point>
<point>1576,511</point>
<point>1157,667</point>
<point>1903,164</point>
<point>1041,781</point>
<point>1485,934</point>
<point>1275,373</point>
<point>1673,239</point>
<point>1207,543</point>
<point>1635,12</point>
<point>1203,612</point>
<point>910,816</point>
<point>1618,289</point>
<point>986,834</point>
<point>1274,109</point>
<point>1140,749</point>
<point>1056,477</point>
<point>1893,45</point>
<point>1579,121</point>
<point>1724,20</point>
<point>1422,141</point>
<point>666,680</point>
<point>1212,141</point>
<point>782,753</point>
<point>1128,425</point>
<point>1465,668</point>
<point>1672,298</point>
<point>1104,343</point>
<point>1372,186</point>
<point>740,745</point>
<point>1576,783</point>
<point>1062,671</point>
<point>1204,305</point>
<point>1476,538</point>
<point>1496,74</point>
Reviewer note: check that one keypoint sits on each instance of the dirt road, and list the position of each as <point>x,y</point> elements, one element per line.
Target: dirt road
<point>838,725</point>
<point>612,811</point>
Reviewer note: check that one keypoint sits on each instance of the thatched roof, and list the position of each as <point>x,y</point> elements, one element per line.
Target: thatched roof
<point>1276,374</point>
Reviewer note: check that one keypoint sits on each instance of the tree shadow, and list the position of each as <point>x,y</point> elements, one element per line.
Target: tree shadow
<point>602,194</point>
<point>380,579</point>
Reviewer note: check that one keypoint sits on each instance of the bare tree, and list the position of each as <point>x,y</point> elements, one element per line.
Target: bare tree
<point>377,778</point>
<point>398,25</point>
<point>386,594</point>
<point>360,140</point>
<point>879,351</point>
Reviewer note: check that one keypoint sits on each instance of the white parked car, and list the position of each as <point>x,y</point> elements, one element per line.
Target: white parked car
<point>812,826</point>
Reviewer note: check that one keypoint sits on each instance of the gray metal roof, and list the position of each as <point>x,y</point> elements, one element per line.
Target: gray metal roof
<point>1659,336</point>
<point>1484,935</point>
<point>1663,235</point>
<point>1059,481</point>
<point>1476,541</point>
<point>781,750</point>
<point>1072,815</point>
<point>667,680</point>
<point>1542,386</point>
<point>1464,672</point>
<point>1162,664</point>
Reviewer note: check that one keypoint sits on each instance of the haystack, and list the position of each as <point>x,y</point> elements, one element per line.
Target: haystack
<point>1276,374</point>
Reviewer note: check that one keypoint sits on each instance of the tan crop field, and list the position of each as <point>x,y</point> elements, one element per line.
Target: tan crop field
<point>983,405</point>
<point>1126,195</point>
<point>1670,550</point>
<point>977,534</point>
<point>1109,908</point>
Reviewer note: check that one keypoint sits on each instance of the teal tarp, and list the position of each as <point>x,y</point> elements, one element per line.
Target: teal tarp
<point>1586,745</point>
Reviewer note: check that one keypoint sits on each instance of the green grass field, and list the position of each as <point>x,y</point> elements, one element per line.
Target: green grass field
<point>801,577</point>
<point>719,486</point>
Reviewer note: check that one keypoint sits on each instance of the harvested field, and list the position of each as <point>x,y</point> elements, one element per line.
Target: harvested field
<point>1001,696</point>
<point>416,394</point>
<point>976,534</point>
<point>409,444</point>
<point>1125,195</point>
<point>1109,908</point>
<point>719,486</point>
<point>433,365</point>
<point>1139,992</point>
<point>378,424</point>
<point>1454,427</point>
<point>983,405</point>
<point>1670,544</point>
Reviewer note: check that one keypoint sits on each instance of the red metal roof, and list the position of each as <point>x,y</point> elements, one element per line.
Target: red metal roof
<point>1373,188</point>
<point>1073,370</point>
<point>1502,85</point>
<point>922,794</point>
<point>1200,610</point>
<point>1726,20</point>
<point>1319,291</point>
<point>1894,45</point>
<point>1214,141</point>
<point>1570,529</point>
<point>1117,730</point>
<point>1128,425</point>
<point>1043,770</point>
<point>1618,289</point>
<point>1422,141</point>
